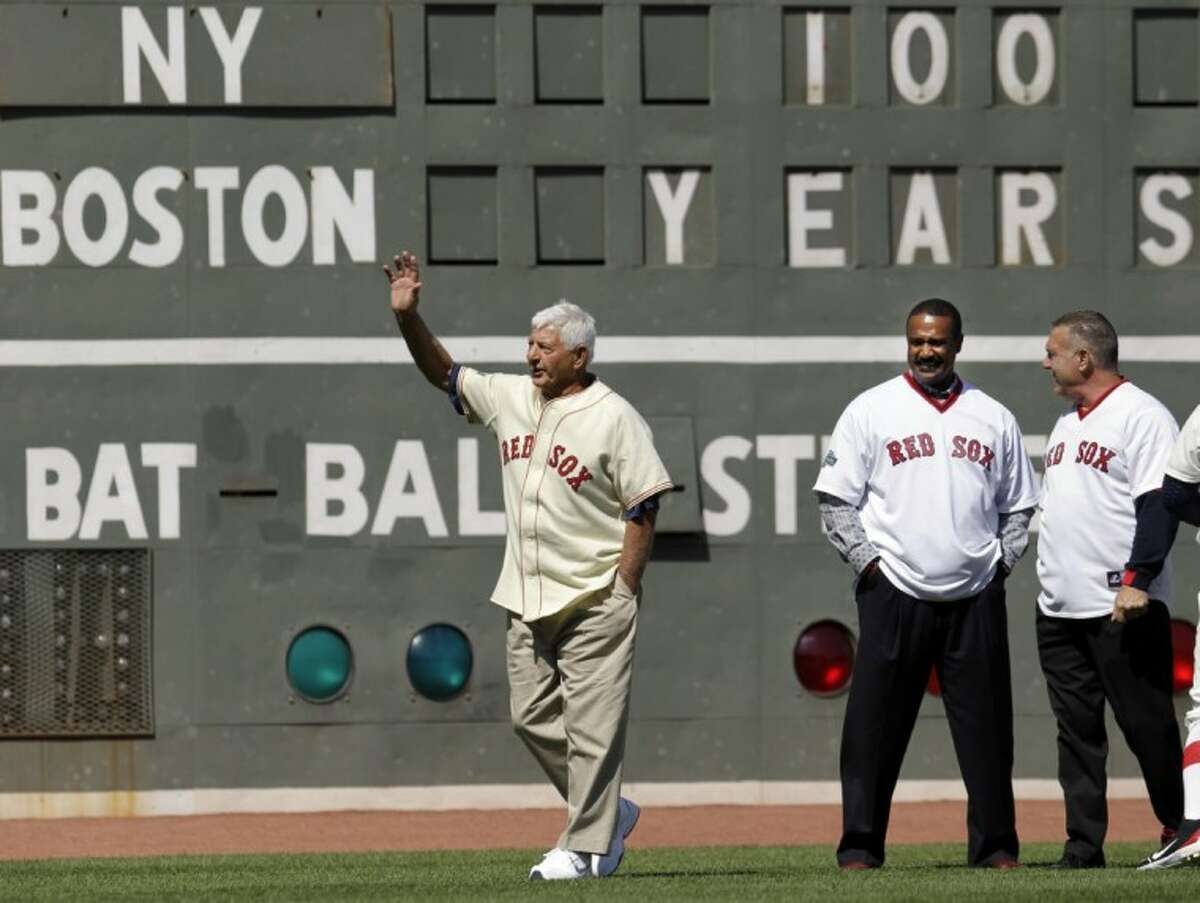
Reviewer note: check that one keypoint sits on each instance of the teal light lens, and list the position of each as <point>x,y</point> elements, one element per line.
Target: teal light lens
<point>439,661</point>
<point>319,664</point>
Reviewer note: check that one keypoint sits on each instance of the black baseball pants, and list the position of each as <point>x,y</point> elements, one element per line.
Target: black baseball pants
<point>901,639</point>
<point>1087,661</point>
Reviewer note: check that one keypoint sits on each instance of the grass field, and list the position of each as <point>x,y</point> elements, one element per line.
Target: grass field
<point>745,874</point>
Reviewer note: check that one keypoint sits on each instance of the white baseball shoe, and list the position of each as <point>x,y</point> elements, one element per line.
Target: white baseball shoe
<point>1183,847</point>
<point>561,865</point>
<point>627,819</point>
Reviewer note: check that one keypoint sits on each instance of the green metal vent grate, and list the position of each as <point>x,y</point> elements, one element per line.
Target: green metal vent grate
<point>75,643</point>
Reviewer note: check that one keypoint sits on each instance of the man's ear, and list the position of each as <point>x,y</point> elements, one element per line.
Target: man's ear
<point>582,356</point>
<point>1085,361</point>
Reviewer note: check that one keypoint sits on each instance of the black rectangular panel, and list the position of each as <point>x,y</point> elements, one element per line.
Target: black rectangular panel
<point>75,643</point>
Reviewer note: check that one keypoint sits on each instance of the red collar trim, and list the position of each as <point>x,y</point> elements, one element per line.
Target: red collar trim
<point>1084,411</point>
<point>941,404</point>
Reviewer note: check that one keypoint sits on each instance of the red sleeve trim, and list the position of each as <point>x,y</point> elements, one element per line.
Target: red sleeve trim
<point>1137,579</point>
<point>1191,754</point>
<point>642,496</point>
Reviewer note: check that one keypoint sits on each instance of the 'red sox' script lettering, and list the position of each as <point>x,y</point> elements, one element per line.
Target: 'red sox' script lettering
<point>1088,453</point>
<point>922,446</point>
<point>973,450</point>
<point>565,465</point>
<point>516,448</point>
<point>1094,454</point>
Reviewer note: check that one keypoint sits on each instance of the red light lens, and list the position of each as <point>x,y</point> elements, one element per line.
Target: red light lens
<point>824,658</point>
<point>934,687</point>
<point>1183,645</point>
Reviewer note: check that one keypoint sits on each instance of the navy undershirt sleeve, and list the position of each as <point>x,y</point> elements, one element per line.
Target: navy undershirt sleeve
<point>1182,499</point>
<point>1152,539</point>
<point>641,509</point>
<point>452,389</point>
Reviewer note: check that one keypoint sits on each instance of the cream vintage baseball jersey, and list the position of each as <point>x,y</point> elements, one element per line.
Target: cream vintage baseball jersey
<point>1184,461</point>
<point>1184,464</point>
<point>931,478</point>
<point>1096,465</point>
<point>570,468</point>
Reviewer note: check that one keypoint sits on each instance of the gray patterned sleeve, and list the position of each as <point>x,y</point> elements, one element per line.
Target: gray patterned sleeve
<point>1014,536</point>
<point>842,525</point>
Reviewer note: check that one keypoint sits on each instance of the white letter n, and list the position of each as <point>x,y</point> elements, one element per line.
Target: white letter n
<point>137,40</point>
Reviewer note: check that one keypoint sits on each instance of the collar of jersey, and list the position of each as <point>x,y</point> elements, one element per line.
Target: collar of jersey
<point>568,402</point>
<point>941,402</point>
<point>1084,411</point>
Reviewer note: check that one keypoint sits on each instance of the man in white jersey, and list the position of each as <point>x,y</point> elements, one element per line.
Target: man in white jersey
<point>581,481</point>
<point>928,493</point>
<point>1103,627</point>
<point>1181,492</point>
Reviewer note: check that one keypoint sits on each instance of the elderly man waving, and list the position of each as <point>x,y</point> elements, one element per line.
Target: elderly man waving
<point>581,482</point>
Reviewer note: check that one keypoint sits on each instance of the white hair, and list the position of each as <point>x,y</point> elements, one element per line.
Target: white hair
<point>576,327</point>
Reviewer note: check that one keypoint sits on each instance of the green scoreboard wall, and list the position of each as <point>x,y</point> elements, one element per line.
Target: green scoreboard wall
<point>230,508</point>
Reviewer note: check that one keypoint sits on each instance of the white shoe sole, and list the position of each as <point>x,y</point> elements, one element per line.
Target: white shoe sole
<point>535,875</point>
<point>1180,857</point>
<point>558,870</point>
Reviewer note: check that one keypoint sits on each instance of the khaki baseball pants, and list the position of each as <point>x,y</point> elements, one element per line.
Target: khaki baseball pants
<point>569,676</point>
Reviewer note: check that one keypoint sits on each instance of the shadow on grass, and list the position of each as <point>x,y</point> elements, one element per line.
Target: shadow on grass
<point>696,873</point>
<point>1039,866</point>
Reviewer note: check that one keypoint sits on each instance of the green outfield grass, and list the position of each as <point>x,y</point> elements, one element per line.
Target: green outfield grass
<point>743,874</point>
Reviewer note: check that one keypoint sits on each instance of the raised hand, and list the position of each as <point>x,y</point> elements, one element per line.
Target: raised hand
<point>405,281</point>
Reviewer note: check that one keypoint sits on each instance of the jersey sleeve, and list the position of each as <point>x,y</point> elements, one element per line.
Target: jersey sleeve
<point>637,471</point>
<point>1152,434</point>
<point>1184,461</point>
<point>477,395</point>
<point>846,467</point>
<point>1018,488</point>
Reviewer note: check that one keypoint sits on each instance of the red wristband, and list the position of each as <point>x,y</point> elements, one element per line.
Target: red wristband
<point>1137,579</point>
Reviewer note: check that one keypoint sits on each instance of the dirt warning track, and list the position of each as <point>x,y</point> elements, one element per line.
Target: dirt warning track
<point>1130,820</point>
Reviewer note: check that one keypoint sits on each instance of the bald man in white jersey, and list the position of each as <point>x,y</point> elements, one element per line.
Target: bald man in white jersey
<point>928,493</point>
<point>1103,626</point>
<point>581,482</point>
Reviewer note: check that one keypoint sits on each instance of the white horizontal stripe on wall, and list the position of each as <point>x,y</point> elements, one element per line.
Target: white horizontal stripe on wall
<point>485,796</point>
<point>727,349</point>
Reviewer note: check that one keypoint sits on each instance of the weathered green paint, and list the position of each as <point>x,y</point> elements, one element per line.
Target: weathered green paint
<point>518,182</point>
